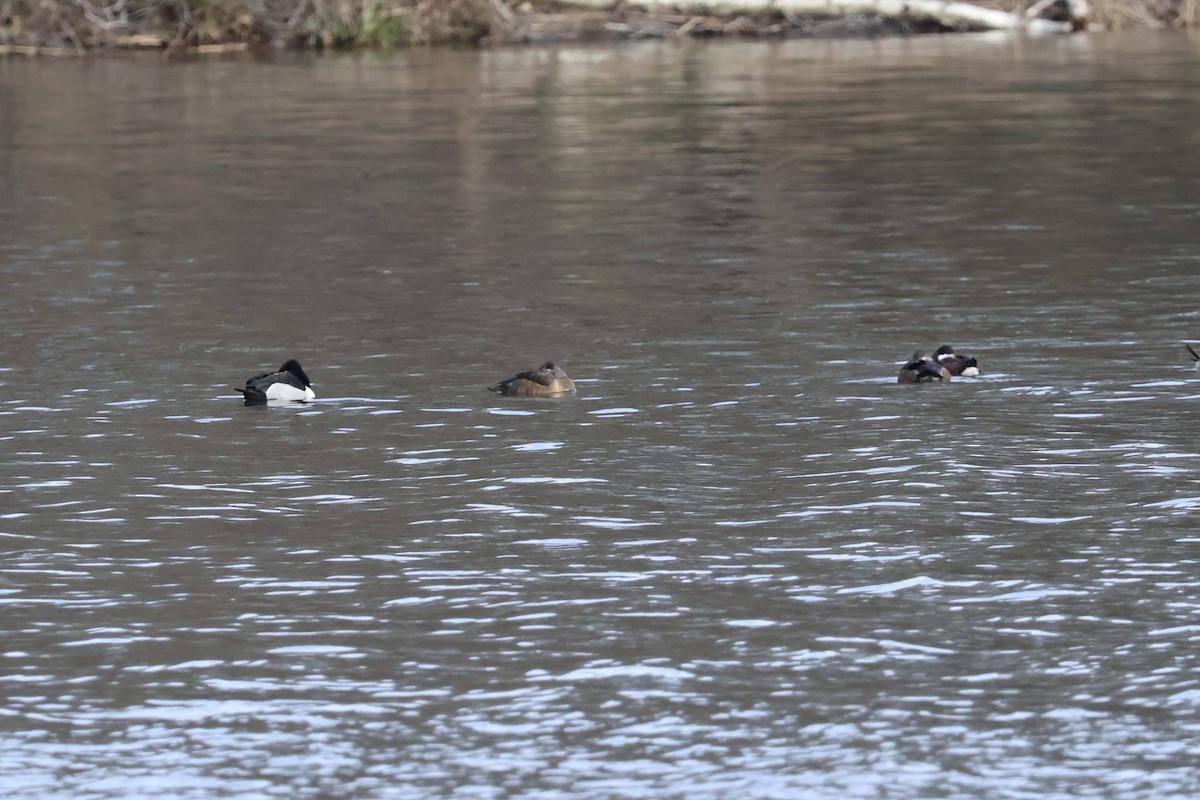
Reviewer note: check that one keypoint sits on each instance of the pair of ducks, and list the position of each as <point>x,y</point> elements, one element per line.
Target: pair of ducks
<point>946,363</point>
<point>940,367</point>
<point>291,383</point>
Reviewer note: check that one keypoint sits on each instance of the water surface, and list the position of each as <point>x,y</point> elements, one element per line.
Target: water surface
<point>740,561</point>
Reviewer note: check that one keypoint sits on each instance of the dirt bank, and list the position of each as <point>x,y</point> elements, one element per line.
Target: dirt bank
<point>196,26</point>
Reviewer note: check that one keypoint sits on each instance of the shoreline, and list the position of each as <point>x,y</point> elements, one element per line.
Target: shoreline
<point>176,28</point>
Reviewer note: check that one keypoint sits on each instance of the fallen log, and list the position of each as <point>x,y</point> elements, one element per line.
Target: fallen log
<point>950,14</point>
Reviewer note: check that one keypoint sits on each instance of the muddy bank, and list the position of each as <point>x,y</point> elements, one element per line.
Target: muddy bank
<point>529,26</point>
<point>190,26</point>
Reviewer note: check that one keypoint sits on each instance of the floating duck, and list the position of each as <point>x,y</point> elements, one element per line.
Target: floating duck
<point>1195,355</point>
<point>545,381</point>
<point>922,368</point>
<point>289,383</point>
<point>956,362</point>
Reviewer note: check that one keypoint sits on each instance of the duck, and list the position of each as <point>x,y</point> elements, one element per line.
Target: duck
<point>956,362</point>
<point>289,383</point>
<point>1195,356</point>
<point>547,380</point>
<point>923,368</point>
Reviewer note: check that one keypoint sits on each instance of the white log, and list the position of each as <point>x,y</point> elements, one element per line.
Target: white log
<point>948,13</point>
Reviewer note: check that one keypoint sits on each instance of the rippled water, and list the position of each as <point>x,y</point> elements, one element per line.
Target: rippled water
<point>741,561</point>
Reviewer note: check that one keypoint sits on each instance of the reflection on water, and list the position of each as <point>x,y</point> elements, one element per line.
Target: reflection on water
<point>740,561</point>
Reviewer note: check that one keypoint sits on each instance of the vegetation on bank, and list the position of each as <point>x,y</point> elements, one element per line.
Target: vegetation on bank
<point>61,26</point>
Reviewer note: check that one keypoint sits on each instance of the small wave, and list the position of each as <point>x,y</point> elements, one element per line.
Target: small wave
<point>561,481</point>
<point>1179,502</point>
<point>919,581</point>
<point>622,673</point>
<point>561,543</point>
<point>613,412</point>
<point>312,650</point>
<point>1023,596</point>
<point>614,523</point>
<point>139,402</point>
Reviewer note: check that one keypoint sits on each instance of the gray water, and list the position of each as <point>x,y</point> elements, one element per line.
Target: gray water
<point>741,562</point>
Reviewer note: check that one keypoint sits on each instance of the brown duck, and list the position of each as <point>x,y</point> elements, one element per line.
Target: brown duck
<point>545,381</point>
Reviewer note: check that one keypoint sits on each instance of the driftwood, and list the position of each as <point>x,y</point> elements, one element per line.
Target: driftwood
<point>950,14</point>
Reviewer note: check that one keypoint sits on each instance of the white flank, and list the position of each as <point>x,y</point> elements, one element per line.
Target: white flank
<point>283,391</point>
<point>971,372</point>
